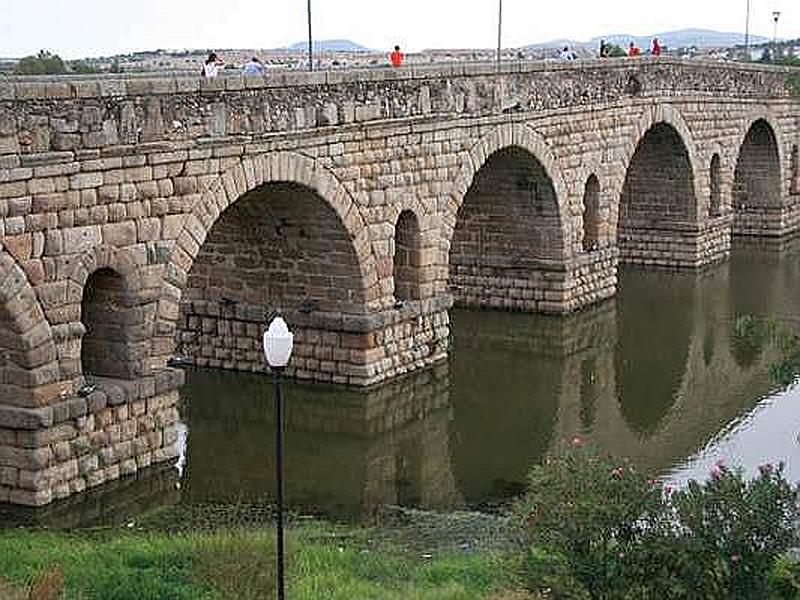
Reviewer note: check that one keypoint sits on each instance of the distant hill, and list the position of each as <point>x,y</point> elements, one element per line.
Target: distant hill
<point>702,38</point>
<point>330,46</point>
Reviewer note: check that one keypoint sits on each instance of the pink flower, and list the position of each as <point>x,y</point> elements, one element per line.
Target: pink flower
<point>736,559</point>
<point>577,441</point>
<point>668,489</point>
<point>765,469</point>
<point>715,473</point>
<point>621,555</point>
<point>651,482</point>
<point>618,472</point>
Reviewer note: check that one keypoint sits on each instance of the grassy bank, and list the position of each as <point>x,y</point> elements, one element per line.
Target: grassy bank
<point>324,561</point>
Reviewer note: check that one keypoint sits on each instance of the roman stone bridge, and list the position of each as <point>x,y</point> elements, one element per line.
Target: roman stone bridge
<point>147,218</point>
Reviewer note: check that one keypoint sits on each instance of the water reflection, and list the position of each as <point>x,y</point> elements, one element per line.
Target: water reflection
<point>661,375</point>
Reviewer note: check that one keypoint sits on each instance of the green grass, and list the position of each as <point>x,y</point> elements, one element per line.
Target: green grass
<point>123,564</point>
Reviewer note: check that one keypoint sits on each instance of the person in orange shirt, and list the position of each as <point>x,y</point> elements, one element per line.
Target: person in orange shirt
<point>396,57</point>
<point>633,50</point>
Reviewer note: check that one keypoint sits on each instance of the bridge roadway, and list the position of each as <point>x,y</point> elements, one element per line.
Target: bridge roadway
<point>147,217</point>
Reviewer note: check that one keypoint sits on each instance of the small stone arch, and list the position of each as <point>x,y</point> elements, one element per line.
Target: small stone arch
<point>591,214</point>
<point>407,257</point>
<point>28,358</point>
<point>116,316</point>
<point>505,136</point>
<point>246,176</point>
<point>715,186</point>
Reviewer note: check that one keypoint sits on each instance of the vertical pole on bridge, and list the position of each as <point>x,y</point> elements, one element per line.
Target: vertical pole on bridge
<point>499,30</point>
<point>310,45</point>
<point>747,31</point>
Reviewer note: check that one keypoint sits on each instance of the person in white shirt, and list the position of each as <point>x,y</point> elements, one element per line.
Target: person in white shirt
<point>253,67</point>
<point>566,54</point>
<point>211,66</point>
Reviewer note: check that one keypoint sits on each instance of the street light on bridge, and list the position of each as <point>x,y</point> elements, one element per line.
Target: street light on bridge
<point>499,29</point>
<point>310,45</point>
<point>278,342</point>
<point>776,14</point>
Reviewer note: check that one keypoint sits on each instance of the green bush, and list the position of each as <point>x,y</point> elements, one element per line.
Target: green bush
<point>623,535</point>
<point>784,579</point>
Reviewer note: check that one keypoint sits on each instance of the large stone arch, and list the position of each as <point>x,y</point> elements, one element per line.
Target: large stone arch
<point>652,116</point>
<point>506,236</point>
<point>660,215</point>
<point>503,136</point>
<point>247,177</point>
<point>759,186</point>
<point>29,370</point>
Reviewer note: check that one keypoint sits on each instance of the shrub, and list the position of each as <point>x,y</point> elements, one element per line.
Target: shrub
<point>620,534</point>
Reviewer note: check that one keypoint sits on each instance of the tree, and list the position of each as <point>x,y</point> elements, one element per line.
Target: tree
<point>83,68</point>
<point>43,63</point>
<point>615,51</point>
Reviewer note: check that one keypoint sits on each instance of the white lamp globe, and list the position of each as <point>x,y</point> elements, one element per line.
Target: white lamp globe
<point>278,342</point>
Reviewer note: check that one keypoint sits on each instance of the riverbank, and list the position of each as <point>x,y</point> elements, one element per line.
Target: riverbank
<point>176,556</point>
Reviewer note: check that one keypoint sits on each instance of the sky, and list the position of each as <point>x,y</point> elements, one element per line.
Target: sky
<point>84,28</point>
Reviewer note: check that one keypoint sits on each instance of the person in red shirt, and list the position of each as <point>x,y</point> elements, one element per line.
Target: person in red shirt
<point>655,50</point>
<point>396,57</point>
<point>633,50</point>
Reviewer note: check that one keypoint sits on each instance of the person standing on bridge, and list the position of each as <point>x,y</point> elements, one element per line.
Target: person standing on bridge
<point>633,50</point>
<point>566,54</point>
<point>211,66</point>
<point>253,67</point>
<point>397,57</point>
<point>655,48</point>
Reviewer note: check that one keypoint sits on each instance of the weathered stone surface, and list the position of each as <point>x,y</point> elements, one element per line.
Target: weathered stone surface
<point>147,218</point>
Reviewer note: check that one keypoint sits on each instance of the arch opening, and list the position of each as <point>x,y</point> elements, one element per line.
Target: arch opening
<point>279,249</point>
<point>757,178</point>
<point>507,228</point>
<point>715,193</point>
<point>591,214</point>
<point>407,257</point>
<point>658,200</point>
<point>107,313</point>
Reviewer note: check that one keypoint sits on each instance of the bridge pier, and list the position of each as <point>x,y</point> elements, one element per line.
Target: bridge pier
<point>78,442</point>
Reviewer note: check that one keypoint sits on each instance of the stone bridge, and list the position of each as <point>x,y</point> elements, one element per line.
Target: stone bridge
<point>143,219</point>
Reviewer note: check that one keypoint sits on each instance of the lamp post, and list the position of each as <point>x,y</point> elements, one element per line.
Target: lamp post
<point>310,45</point>
<point>747,31</point>
<point>499,29</point>
<point>278,341</point>
<point>775,16</point>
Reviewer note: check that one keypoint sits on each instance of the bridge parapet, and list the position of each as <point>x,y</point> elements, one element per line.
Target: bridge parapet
<point>78,113</point>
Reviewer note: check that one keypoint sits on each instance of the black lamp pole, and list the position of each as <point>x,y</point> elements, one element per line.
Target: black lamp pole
<point>310,46</point>
<point>279,473</point>
<point>747,31</point>
<point>499,29</point>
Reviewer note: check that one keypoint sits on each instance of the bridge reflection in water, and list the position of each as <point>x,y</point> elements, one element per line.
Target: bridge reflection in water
<point>657,375</point>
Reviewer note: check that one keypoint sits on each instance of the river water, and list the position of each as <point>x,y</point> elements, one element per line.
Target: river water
<point>671,374</point>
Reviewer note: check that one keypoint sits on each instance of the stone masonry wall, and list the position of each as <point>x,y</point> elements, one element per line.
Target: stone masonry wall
<point>77,444</point>
<point>131,176</point>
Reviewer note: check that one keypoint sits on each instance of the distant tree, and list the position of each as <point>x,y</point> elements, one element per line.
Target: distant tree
<point>615,51</point>
<point>43,63</point>
<point>82,68</point>
<point>115,67</point>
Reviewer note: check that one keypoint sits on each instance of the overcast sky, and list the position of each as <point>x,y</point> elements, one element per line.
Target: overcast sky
<point>78,28</point>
